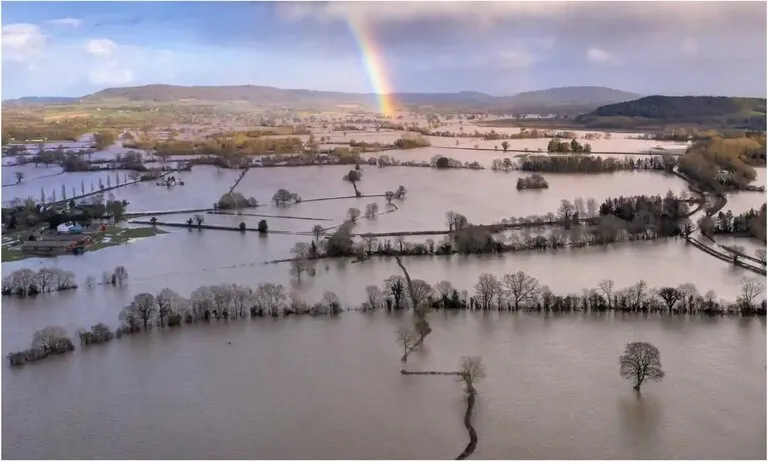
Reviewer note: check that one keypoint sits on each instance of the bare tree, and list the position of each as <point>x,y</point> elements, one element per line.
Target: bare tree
<point>566,210</point>
<point>444,289</point>
<point>407,340</point>
<point>578,205</point>
<point>49,339</point>
<point>607,286</point>
<point>419,308</point>
<point>394,286</point>
<point>487,287</point>
<point>389,196</point>
<point>301,262</point>
<point>374,295</point>
<point>449,216</point>
<point>120,276</point>
<point>371,210</point>
<point>637,294</point>
<point>520,287</point>
<point>420,292</point>
<point>332,302</point>
<point>471,370</point>
<point>146,308</point>
<point>130,319</point>
<point>400,192</point>
<point>318,231</point>
<point>353,214</point>
<point>369,242</point>
<point>670,296</point>
<point>271,298</point>
<point>751,288</point>
<point>242,298</point>
<point>639,362</point>
<point>167,300</point>
<point>46,279</point>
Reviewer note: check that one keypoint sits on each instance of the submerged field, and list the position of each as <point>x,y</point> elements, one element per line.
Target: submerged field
<point>330,387</point>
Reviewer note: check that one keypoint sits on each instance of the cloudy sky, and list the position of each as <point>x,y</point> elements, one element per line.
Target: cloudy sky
<point>501,48</point>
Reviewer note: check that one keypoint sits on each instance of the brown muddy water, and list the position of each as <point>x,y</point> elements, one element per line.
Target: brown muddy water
<point>331,388</point>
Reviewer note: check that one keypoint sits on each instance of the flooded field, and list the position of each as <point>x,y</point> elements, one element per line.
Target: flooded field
<point>330,387</point>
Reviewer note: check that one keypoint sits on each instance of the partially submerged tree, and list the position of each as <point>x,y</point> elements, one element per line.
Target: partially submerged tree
<point>471,371</point>
<point>301,261</point>
<point>670,296</point>
<point>145,306</point>
<point>318,231</point>
<point>283,197</point>
<point>751,288</point>
<point>354,176</point>
<point>353,214</point>
<point>389,196</point>
<point>120,276</point>
<point>639,362</point>
<point>394,287</point>
<point>374,295</point>
<point>406,339</point>
<point>520,287</point>
<point>371,210</point>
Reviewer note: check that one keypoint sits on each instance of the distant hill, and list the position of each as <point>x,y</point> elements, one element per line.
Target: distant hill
<point>40,100</point>
<point>712,111</point>
<point>570,100</point>
<point>574,97</point>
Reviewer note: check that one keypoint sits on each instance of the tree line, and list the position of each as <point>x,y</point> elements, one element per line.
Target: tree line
<point>583,223</point>
<point>751,222</point>
<point>532,181</point>
<point>509,292</point>
<point>594,164</point>
<point>575,146</point>
<point>26,282</point>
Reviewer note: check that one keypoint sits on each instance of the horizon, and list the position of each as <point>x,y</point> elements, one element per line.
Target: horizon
<point>372,94</point>
<point>375,48</point>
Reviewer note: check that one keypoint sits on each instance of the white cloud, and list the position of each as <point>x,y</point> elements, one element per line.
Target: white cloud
<point>111,73</point>
<point>516,59</point>
<point>101,47</point>
<point>69,22</point>
<point>690,46</point>
<point>659,14</point>
<point>22,42</point>
<point>598,56</point>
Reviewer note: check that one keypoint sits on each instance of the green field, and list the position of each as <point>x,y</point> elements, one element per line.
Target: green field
<point>11,249</point>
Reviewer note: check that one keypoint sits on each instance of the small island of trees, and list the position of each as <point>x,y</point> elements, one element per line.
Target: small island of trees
<point>533,181</point>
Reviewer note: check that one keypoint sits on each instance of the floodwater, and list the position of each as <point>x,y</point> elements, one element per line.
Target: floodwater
<point>739,202</point>
<point>331,388</point>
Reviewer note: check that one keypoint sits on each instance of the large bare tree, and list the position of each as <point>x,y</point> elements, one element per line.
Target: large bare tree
<point>520,287</point>
<point>145,307</point>
<point>751,288</point>
<point>639,362</point>
<point>301,262</point>
<point>471,370</point>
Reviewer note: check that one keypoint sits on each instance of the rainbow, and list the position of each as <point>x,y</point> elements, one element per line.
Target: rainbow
<point>374,65</point>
